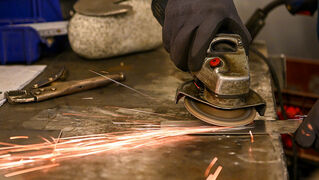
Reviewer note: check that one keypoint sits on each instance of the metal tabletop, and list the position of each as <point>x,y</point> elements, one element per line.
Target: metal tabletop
<point>100,111</point>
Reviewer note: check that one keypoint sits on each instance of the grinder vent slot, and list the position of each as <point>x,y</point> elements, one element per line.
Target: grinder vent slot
<point>223,46</point>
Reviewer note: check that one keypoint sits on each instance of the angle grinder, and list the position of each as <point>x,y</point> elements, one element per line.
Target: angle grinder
<point>220,93</point>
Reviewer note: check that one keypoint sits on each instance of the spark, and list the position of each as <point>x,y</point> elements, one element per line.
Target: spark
<point>88,98</point>
<point>5,156</point>
<point>30,170</point>
<point>128,87</point>
<point>19,159</point>
<point>212,163</point>
<point>251,137</point>
<point>250,150</point>
<point>57,141</point>
<point>19,137</point>
<point>46,140</point>
<point>310,127</point>
<point>216,174</point>
<point>59,136</point>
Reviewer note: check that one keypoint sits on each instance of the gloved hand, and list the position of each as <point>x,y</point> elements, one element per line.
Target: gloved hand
<point>305,7</point>
<point>190,25</point>
<point>307,134</point>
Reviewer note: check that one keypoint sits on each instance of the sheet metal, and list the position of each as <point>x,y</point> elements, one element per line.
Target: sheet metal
<point>96,111</point>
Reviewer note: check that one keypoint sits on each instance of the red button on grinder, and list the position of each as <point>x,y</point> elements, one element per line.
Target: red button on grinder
<point>215,62</point>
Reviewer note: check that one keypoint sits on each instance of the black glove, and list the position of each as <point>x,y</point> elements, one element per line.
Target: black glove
<point>307,134</point>
<point>306,7</point>
<point>190,25</point>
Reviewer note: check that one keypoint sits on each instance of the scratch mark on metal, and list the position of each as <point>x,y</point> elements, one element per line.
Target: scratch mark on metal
<point>126,86</point>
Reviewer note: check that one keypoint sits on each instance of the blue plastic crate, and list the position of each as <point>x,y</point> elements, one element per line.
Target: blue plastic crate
<point>28,11</point>
<point>19,45</point>
<point>22,44</point>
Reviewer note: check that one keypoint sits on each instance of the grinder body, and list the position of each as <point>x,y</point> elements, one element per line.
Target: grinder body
<point>220,93</point>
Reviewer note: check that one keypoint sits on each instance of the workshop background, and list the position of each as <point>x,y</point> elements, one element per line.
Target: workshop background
<point>86,46</point>
<point>294,36</point>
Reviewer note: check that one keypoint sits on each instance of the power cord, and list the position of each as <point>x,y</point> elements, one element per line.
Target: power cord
<point>274,78</point>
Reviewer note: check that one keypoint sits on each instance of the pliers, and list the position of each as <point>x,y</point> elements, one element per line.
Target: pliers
<point>50,87</point>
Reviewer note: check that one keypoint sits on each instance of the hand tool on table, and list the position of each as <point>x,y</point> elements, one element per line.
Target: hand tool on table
<point>220,93</point>
<point>49,88</point>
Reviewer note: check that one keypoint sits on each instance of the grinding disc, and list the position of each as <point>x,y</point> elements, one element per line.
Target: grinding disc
<point>219,117</point>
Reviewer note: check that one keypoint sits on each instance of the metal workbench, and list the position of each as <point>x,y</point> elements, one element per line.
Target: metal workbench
<point>152,73</point>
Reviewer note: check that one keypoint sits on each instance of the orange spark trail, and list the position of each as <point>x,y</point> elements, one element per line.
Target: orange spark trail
<point>18,159</point>
<point>251,137</point>
<point>31,170</point>
<point>210,166</point>
<point>19,137</point>
<point>216,174</point>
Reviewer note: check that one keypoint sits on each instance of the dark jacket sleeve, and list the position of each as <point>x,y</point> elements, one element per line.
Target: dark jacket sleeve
<point>158,8</point>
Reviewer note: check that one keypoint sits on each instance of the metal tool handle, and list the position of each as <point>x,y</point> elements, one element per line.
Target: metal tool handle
<point>64,88</point>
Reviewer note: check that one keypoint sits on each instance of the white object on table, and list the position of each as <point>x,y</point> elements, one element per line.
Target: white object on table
<point>17,77</point>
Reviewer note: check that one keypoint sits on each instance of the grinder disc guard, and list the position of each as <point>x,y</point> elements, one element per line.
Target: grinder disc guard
<point>208,114</point>
<point>217,113</point>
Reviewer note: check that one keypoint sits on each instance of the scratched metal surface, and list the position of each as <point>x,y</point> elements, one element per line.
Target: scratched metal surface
<point>186,159</point>
<point>105,110</point>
